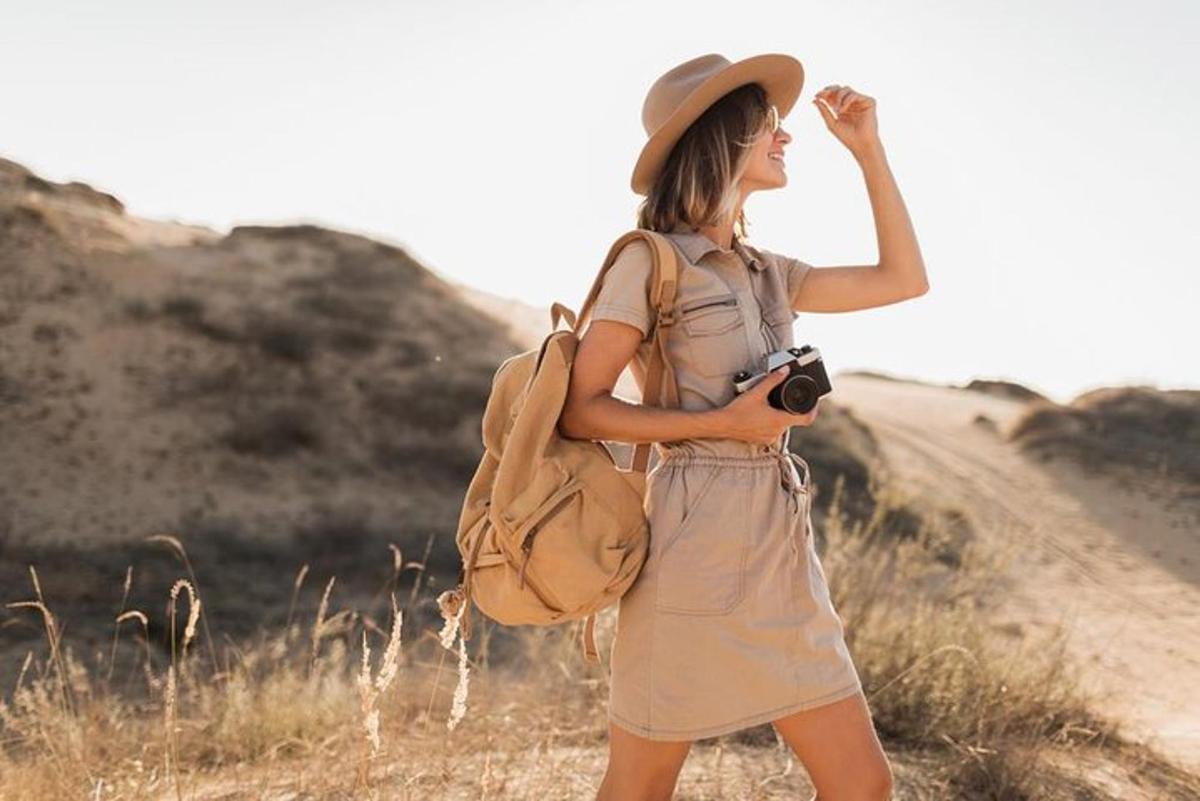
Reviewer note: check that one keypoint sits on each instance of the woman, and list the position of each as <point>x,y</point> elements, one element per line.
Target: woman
<point>730,624</point>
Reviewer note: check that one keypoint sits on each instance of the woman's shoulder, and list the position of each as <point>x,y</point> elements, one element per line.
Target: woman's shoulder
<point>792,270</point>
<point>633,262</point>
<point>776,260</point>
<point>772,258</point>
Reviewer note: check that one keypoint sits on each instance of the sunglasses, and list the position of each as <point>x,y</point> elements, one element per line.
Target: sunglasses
<point>772,118</point>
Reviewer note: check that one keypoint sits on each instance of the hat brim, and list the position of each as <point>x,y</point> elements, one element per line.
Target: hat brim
<point>780,75</point>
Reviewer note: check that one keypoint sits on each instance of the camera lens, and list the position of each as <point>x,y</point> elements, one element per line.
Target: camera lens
<point>798,394</point>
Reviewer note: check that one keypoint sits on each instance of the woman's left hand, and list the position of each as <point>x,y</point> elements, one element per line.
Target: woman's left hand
<point>852,118</point>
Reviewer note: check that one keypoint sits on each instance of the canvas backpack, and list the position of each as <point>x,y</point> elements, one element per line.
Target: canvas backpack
<point>553,529</point>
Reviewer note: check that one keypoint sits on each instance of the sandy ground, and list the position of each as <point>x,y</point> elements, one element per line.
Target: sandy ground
<point>1115,566</point>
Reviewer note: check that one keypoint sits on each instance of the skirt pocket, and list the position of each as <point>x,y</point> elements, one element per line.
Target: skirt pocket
<point>702,563</point>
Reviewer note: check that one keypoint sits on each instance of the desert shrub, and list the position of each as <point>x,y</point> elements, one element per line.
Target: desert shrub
<point>352,341</point>
<point>434,398</point>
<point>288,338</point>
<point>138,309</point>
<point>275,431</point>
<point>184,307</point>
<point>189,312</point>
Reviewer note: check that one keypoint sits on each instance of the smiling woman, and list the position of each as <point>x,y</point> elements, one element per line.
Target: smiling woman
<point>729,623</point>
<point>700,178</point>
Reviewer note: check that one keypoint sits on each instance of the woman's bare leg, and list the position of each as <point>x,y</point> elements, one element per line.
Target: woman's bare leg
<point>839,748</point>
<point>640,769</point>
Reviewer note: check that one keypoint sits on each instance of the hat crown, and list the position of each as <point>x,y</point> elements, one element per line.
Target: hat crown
<point>673,87</point>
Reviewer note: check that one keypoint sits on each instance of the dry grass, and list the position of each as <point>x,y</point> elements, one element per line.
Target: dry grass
<point>1137,433</point>
<point>964,713</point>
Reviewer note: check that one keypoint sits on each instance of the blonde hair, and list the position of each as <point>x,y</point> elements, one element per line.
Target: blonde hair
<point>698,184</point>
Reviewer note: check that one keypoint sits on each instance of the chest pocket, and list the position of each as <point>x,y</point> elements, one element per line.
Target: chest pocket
<point>778,317</point>
<point>715,339</point>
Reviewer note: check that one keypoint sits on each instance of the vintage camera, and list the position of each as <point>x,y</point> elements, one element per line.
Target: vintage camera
<point>805,383</point>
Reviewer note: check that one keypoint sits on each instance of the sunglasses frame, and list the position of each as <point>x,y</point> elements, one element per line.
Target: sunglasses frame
<point>773,121</point>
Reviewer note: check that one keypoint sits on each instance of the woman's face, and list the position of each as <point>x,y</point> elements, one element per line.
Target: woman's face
<point>765,168</point>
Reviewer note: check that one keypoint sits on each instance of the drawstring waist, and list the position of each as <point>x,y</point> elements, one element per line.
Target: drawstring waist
<point>794,480</point>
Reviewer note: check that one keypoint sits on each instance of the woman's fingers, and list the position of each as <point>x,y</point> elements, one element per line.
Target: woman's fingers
<point>824,100</point>
<point>837,96</point>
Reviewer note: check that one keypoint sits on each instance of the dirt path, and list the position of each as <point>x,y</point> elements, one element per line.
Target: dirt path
<point>1114,566</point>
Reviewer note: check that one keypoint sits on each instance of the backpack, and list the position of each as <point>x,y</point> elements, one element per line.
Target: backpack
<point>552,529</point>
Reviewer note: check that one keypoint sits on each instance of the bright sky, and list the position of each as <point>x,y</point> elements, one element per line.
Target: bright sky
<point>1046,150</point>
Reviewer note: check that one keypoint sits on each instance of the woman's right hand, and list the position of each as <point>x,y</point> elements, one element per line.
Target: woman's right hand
<point>751,417</point>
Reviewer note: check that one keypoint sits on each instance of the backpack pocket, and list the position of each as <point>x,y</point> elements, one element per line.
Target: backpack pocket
<point>568,548</point>
<point>494,582</point>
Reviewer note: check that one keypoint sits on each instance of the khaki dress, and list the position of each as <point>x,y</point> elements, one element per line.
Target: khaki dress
<point>729,624</point>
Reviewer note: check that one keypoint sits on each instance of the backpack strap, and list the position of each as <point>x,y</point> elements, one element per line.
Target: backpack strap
<point>660,384</point>
<point>662,290</point>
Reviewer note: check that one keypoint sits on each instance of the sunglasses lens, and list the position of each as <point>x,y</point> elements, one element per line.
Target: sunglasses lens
<point>774,119</point>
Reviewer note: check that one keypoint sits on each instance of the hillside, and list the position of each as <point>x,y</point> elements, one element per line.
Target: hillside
<point>272,396</point>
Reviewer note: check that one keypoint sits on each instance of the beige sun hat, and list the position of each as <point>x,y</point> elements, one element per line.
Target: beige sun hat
<point>682,94</point>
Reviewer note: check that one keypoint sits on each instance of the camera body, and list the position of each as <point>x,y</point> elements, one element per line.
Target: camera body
<point>805,383</point>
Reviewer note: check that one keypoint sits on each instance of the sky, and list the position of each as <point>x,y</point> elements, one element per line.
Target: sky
<point>1046,151</point>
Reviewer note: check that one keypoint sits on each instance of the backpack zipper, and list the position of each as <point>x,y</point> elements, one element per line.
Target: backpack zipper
<point>527,541</point>
<point>527,547</point>
<point>535,586</point>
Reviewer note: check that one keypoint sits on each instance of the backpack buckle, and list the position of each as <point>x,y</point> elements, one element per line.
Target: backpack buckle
<point>669,318</point>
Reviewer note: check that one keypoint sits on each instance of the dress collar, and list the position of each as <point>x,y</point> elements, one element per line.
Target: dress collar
<point>695,245</point>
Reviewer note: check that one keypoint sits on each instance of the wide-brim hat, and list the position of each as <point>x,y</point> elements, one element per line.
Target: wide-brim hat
<point>682,94</point>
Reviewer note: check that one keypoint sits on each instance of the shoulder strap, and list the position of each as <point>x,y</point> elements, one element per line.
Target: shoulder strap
<point>660,382</point>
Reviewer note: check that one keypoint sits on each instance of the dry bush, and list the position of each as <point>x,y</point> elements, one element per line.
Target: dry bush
<point>946,688</point>
<point>277,431</point>
<point>1004,389</point>
<point>1140,433</point>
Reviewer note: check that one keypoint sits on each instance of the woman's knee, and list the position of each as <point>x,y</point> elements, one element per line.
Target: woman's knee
<point>873,783</point>
<point>619,786</point>
<point>640,769</point>
<point>882,783</point>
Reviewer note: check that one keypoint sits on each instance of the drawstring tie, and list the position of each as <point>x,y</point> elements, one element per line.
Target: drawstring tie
<point>789,477</point>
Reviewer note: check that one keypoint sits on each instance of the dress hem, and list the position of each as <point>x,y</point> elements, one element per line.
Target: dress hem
<point>736,725</point>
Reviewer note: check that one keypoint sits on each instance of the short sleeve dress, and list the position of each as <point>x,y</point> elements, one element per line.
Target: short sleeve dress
<point>729,624</point>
